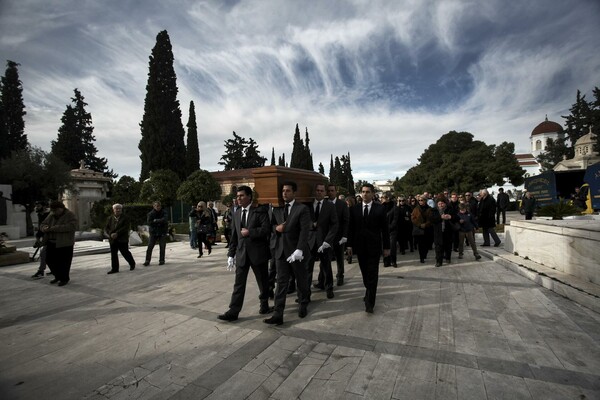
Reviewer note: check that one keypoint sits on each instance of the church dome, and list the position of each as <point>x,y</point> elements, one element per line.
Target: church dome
<point>547,127</point>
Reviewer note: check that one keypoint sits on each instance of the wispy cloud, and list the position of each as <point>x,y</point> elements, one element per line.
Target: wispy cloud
<point>381,80</point>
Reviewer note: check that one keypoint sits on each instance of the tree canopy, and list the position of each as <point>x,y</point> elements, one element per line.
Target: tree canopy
<point>75,141</point>
<point>241,153</point>
<point>12,111</point>
<point>34,175</point>
<point>340,174</point>
<point>459,163</point>
<point>161,186</point>
<point>126,190</point>
<point>200,185</point>
<point>162,144</point>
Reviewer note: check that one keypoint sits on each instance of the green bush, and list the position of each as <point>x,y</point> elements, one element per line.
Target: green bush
<point>137,213</point>
<point>559,210</point>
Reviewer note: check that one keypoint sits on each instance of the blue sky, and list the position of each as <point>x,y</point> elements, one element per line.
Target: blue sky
<point>379,79</point>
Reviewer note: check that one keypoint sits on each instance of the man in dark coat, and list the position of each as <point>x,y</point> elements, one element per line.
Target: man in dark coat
<point>341,237</point>
<point>502,201</point>
<point>486,213</point>
<point>368,235</point>
<point>42,213</point>
<point>249,247</point>
<point>320,239</point>
<point>159,226</point>
<point>291,226</point>
<point>117,230</point>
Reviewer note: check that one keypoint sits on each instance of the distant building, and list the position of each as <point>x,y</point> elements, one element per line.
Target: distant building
<point>538,141</point>
<point>584,154</point>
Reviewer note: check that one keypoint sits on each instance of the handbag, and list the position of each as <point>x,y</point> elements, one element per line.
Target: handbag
<point>418,231</point>
<point>204,228</point>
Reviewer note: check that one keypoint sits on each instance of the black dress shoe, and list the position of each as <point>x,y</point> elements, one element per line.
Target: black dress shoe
<point>161,263</point>
<point>54,281</point>
<point>273,321</point>
<point>319,286</point>
<point>438,264</point>
<point>62,283</point>
<point>369,309</point>
<point>266,310</point>
<point>340,281</point>
<point>228,317</point>
<point>112,271</point>
<point>497,244</point>
<point>302,311</point>
<point>330,294</point>
<point>132,267</point>
<point>146,263</point>
<point>485,245</point>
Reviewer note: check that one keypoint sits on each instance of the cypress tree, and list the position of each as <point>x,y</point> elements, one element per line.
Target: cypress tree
<point>308,159</point>
<point>332,172</point>
<point>297,151</point>
<point>75,141</point>
<point>272,155</point>
<point>192,153</point>
<point>162,144</point>
<point>13,132</point>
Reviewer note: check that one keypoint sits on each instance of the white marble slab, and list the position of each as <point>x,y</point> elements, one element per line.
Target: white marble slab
<point>569,246</point>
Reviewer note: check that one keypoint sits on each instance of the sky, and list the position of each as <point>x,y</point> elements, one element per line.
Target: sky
<point>382,80</point>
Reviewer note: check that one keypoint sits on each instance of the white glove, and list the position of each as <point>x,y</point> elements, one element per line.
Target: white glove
<point>323,247</point>
<point>230,264</point>
<point>342,241</point>
<point>296,256</point>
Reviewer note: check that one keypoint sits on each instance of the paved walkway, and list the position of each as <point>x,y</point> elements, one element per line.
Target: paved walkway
<point>471,330</point>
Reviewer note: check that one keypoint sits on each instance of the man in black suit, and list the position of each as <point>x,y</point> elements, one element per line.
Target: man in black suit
<point>368,235</point>
<point>320,239</point>
<point>341,236</point>
<point>291,227</point>
<point>117,230</point>
<point>250,247</point>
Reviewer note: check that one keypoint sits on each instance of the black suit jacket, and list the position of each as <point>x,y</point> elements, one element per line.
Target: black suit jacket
<point>326,227</point>
<point>343,216</point>
<point>295,234</point>
<point>368,237</point>
<point>254,248</point>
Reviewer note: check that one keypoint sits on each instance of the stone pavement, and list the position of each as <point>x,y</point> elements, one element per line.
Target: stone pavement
<point>469,330</point>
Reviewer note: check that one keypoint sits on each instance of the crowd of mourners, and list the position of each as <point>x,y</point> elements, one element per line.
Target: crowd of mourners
<point>282,244</point>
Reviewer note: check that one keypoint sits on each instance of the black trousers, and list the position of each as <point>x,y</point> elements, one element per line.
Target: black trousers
<point>325,273</point>
<point>162,244</point>
<point>503,213</point>
<point>284,270</point>
<point>203,238</point>
<point>115,248</point>
<point>261,274</point>
<point>369,268</point>
<point>422,242</point>
<point>338,252</point>
<point>59,261</point>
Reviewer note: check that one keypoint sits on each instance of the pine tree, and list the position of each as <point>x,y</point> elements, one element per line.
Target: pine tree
<point>75,141</point>
<point>162,144</point>
<point>281,160</point>
<point>272,155</point>
<point>252,157</point>
<point>192,153</point>
<point>297,151</point>
<point>577,122</point>
<point>234,153</point>
<point>13,131</point>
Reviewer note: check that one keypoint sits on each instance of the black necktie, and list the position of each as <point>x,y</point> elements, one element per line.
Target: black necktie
<point>243,224</point>
<point>317,211</point>
<point>366,213</point>
<point>286,211</point>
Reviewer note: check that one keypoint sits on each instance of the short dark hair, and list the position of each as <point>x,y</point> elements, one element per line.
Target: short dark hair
<point>245,189</point>
<point>369,186</point>
<point>501,189</point>
<point>291,184</point>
